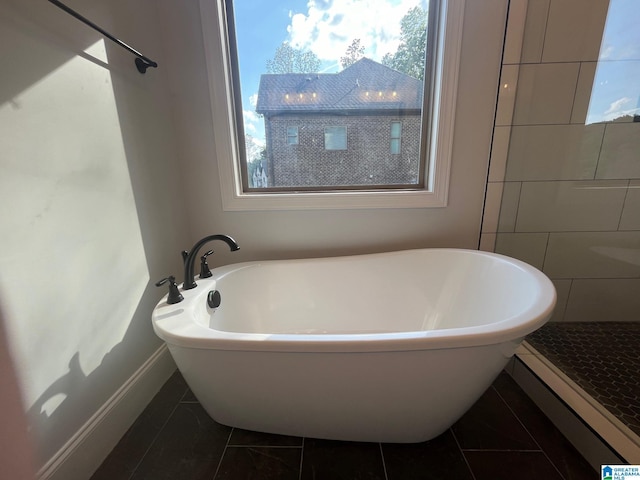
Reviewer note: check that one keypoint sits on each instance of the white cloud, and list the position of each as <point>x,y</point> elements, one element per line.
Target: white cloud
<point>617,106</point>
<point>251,122</point>
<point>251,116</point>
<point>328,27</point>
<point>253,100</point>
<point>621,107</point>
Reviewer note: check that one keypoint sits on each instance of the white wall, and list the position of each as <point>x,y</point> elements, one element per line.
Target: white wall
<point>287,234</point>
<point>90,217</point>
<point>94,211</point>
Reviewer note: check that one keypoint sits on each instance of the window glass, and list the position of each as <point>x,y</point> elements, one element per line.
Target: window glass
<point>359,63</point>
<point>292,135</point>
<point>335,138</point>
<point>396,133</point>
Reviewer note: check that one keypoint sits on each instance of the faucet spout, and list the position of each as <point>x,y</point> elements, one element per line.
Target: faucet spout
<point>190,257</point>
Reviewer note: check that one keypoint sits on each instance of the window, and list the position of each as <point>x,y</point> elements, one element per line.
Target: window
<point>292,135</point>
<point>335,138</point>
<point>362,88</point>
<point>396,133</point>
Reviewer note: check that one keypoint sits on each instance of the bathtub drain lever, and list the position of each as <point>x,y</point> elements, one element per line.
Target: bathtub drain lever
<point>214,299</point>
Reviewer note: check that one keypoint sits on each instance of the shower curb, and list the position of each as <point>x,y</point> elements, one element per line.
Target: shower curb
<point>83,453</point>
<point>600,425</point>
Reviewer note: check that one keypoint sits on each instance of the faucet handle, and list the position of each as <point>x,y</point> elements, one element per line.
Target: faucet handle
<point>204,266</point>
<point>174,295</point>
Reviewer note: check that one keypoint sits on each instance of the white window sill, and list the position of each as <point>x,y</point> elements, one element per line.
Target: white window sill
<point>334,200</point>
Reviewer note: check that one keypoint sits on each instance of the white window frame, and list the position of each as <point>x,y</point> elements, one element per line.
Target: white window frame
<point>434,193</point>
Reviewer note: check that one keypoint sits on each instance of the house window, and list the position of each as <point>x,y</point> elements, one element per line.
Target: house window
<point>335,138</point>
<point>363,81</point>
<point>396,133</point>
<point>292,135</point>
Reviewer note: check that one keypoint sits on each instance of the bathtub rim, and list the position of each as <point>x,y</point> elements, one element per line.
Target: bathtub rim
<point>169,325</point>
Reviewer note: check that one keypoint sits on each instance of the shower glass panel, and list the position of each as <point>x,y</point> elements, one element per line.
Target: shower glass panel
<point>571,183</point>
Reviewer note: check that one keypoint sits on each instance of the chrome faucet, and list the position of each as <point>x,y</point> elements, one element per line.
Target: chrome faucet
<point>190,257</point>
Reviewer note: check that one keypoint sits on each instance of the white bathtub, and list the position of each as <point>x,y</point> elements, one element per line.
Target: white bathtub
<point>390,347</point>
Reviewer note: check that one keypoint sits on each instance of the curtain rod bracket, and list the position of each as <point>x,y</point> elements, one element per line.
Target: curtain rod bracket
<point>142,66</point>
<point>142,62</point>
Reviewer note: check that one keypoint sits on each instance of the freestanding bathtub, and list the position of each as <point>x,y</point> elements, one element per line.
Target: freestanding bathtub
<point>390,347</point>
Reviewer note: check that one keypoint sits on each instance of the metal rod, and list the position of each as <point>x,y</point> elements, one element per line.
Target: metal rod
<point>142,62</point>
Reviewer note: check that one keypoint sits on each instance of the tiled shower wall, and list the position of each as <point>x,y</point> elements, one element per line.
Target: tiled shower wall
<point>564,180</point>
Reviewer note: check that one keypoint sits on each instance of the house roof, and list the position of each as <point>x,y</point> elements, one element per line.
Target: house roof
<point>364,85</point>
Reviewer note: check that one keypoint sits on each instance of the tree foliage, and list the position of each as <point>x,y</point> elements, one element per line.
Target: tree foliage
<point>410,56</point>
<point>291,60</point>
<point>354,52</point>
<point>256,154</point>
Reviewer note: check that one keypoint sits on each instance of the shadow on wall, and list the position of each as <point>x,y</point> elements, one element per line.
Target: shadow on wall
<point>70,401</point>
<point>16,453</point>
<point>91,170</point>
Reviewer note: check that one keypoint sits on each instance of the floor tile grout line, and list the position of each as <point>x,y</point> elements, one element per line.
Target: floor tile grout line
<point>231,445</point>
<point>529,433</point>
<point>384,465</point>
<point>164,424</point>
<point>504,450</point>
<point>224,452</point>
<point>184,394</point>
<point>466,460</point>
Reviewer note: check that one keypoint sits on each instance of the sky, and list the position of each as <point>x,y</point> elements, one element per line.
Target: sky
<point>616,86</point>
<point>326,27</point>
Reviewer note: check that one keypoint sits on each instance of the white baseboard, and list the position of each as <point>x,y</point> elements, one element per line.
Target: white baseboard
<point>80,457</point>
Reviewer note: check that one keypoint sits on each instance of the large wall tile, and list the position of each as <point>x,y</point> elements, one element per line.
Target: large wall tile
<point>535,27</point>
<point>487,242</point>
<point>499,152</point>
<point>545,93</point>
<point>584,90</point>
<point>593,255</point>
<point>528,247</point>
<point>604,300</point>
<point>631,211</point>
<point>574,30</point>
<point>507,94</point>
<point>563,287</point>
<point>570,206</point>
<point>492,207</point>
<point>515,32</point>
<point>554,152</point>
<point>620,155</point>
<point>509,207</point>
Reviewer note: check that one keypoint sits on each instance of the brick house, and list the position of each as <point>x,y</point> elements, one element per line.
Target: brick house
<point>360,126</point>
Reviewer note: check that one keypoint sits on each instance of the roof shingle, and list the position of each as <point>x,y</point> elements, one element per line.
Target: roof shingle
<point>364,85</point>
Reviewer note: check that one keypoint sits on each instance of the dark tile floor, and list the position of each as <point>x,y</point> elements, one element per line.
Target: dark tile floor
<point>602,358</point>
<point>503,436</point>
